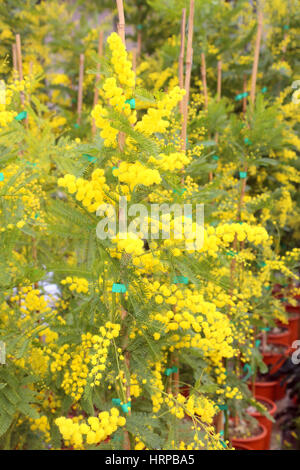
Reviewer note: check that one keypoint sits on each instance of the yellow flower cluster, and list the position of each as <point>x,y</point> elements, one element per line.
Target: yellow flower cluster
<point>130,243</point>
<point>153,121</point>
<point>173,161</point>
<point>90,193</point>
<point>135,173</point>
<point>77,284</point>
<point>78,432</point>
<point>42,424</point>
<point>122,66</point>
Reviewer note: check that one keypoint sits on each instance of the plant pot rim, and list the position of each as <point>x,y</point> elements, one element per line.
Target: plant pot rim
<point>262,384</point>
<point>271,411</point>
<point>262,435</point>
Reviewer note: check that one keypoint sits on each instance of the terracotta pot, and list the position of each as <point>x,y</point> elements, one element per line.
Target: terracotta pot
<point>293,326</point>
<point>255,442</point>
<point>283,337</point>
<point>274,359</point>
<point>292,308</point>
<point>242,447</point>
<point>265,389</point>
<point>272,408</point>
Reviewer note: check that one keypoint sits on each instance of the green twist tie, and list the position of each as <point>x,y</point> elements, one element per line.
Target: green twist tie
<point>119,288</point>
<point>22,115</point>
<point>131,102</point>
<point>286,27</point>
<point>36,215</point>
<point>264,89</point>
<point>257,343</point>
<point>180,280</point>
<point>243,174</point>
<point>89,157</point>
<point>125,407</point>
<point>248,369</point>
<point>76,125</point>
<point>284,299</point>
<point>215,157</point>
<point>179,191</point>
<point>1,177</point>
<point>223,407</point>
<point>261,264</point>
<point>139,26</point>
<point>267,287</point>
<point>230,253</point>
<point>265,329</point>
<point>171,370</point>
<point>247,141</point>
<point>116,401</point>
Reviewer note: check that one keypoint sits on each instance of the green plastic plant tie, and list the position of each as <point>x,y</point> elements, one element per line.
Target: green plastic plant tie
<point>215,157</point>
<point>125,407</point>
<point>76,125</point>
<point>257,343</point>
<point>265,329</point>
<point>238,97</point>
<point>22,115</point>
<point>286,26</point>
<point>247,141</point>
<point>116,401</point>
<point>139,26</point>
<point>223,407</point>
<point>131,102</point>
<point>264,89</point>
<point>36,216</point>
<point>248,370</point>
<point>267,287</point>
<point>230,253</point>
<point>171,370</point>
<point>89,157</point>
<point>118,288</point>
<point>243,174</point>
<point>180,280</point>
<point>179,191</point>
<point>261,264</point>
<point>1,177</point>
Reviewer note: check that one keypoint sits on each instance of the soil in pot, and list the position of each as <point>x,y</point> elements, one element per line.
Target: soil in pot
<point>274,354</point>
<point>251,435</point>
<point>271,408</point>
<point>279,333</point>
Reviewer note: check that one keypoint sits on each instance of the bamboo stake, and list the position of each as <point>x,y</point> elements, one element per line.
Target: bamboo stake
<point>256,57</point>
<point>219,84</point>
<point>139,42</point>
<point>244,91</point>
<point>19,63</point>
<point>203,74</point>
<point>14,57</point>
<point>96,92</point>
<point>188,71</point>
<point>134,56</point>
<point>181,57</point>
<point>121,24</point>
<point>80,88</point>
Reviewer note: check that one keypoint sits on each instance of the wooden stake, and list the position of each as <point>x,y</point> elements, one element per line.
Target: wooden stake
<point>96,92</point>
<point>244,91</point>
<point>188,71</point>
<point>181,57</point>
<point>256,57</point>
<point>139,42</point>
<point>14,57</point>
<point>203,75</point>
<point>80,88</point>
<point>121,24</point>
<point>20,64</point>
<point>134,55</point>
<point>219,84</point>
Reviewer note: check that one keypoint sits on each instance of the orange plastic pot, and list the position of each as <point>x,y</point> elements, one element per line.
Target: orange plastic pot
<point>293,326</point>
<point>283,337</point>
<point>264,389</point>
<point>292,308</point>
<point>255,442</point>
<point>273,359</point>
<point>263,419</point>
<point>242,447</point>
<point>280,390</point>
